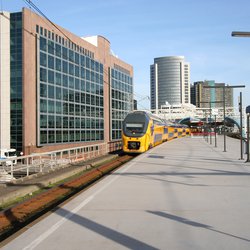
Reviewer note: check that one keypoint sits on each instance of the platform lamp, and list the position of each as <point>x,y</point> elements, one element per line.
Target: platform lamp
<point>241,130</point>
<point>248,132</point>
<point>243,34</point>
<point>240,34</point>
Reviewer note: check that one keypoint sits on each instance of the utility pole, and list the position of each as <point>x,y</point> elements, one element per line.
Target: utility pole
<point>241,132</point>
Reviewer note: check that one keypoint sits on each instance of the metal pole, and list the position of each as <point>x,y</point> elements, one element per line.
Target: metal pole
<point>215,128</point>
<point>224,106</point>
<point>203,130</point>
<point>224,115</point>
<point>206,127</point>
<point>241,134</point>
<point>248,132</point>
<point>210,123</point>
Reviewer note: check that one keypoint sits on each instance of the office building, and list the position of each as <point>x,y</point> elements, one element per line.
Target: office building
<point>65,91</point>
<point>169,81</point>
<point>192,95</point>
<point>4,82</point>
<point>204,97</point>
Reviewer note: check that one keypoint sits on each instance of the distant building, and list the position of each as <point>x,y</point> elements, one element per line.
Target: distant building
<point>65,91</point>
<point>135,105</point>
<point>192,95</point>
<point>169,81</point>
<point>204,97</point>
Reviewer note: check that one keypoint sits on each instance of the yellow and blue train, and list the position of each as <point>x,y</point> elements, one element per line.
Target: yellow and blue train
<point>142,130</point>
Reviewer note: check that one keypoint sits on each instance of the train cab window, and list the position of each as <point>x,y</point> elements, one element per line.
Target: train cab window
<point>134,127</point>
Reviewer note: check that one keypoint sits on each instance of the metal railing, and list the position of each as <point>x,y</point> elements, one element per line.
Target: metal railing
<point>45,162</point>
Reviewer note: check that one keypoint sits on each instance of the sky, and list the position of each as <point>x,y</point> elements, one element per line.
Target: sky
<point>141,30</point>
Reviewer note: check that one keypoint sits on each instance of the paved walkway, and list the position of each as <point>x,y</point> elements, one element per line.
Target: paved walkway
<point>183,194</point>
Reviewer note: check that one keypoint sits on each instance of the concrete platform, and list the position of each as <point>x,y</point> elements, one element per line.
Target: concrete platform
<point>183,194</point>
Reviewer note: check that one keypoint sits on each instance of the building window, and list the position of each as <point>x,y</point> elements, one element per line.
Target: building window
<point>67,101</point>
<point>121,99</point>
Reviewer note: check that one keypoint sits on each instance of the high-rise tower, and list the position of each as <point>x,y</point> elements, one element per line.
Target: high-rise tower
<point>169,81</point>
<point>204,97</point>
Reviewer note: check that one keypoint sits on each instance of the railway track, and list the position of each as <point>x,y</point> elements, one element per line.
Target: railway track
<point>18,216</point>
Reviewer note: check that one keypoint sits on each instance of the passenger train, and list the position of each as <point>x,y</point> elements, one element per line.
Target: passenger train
<point>142,130</point>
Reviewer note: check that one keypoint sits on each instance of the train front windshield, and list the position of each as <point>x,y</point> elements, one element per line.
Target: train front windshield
<point>135,124</point>
<point>134,127</point>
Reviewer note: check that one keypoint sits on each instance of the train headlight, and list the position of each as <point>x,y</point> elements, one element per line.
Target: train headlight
<point>133,145</point>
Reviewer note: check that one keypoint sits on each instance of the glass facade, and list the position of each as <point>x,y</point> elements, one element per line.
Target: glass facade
<point>70,92</point>
<point>16,80</point>
<point>172,77</point>
<point>122,100</point>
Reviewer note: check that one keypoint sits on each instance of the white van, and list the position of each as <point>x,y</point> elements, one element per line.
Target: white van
<point>8,154</point>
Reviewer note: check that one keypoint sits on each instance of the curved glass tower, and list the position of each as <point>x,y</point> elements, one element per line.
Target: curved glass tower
<point>169,81</point>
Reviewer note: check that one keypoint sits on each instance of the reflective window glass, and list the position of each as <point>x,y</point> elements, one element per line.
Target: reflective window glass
<point>58,107</point>
<point>43,105</point>
<point>58,50</point>
<point>51,76</point>
<point>65,136</point>
<point>58,93</point>
<point>65,81</point>
<point>43,75</point>
<point>51,48</point>
<point>43,90</point>
<point>51,121</point>
<point>58,121</point>
<point>58,136</point>
<point>58,64</point>
<point>58,79</point>
<point>43,137</point>
<point>51,62</point>
<point>65,122</point>
<point>65,67</point>
<point>51,136</point>
<point>51,106</point>
<point>43,44</point>
<point>65,53</point>
<point>51,92</point>
<point>43,59</point>
<point>43,121</point>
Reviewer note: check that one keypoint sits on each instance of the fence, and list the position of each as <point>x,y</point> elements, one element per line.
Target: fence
<point>45,162</point>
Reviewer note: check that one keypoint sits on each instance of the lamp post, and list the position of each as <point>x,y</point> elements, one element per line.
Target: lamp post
<point>241,141</point>
<point>210,118</point>
<point>248,132</point>
<point>243,34</point>
<point>240,34</point>
<point>224,107</point>
<point>215,128</point>
<point>224,119</point>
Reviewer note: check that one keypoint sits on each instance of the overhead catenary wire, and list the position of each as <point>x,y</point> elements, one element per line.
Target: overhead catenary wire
<point>32,5</point>
<point>43,15</point>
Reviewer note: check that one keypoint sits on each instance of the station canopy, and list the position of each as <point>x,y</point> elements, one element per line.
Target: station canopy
<point>190,121</point>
